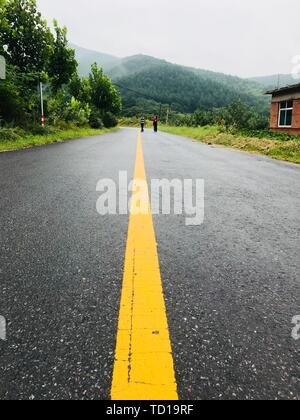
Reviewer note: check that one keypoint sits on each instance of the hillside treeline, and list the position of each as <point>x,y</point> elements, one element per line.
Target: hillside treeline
<point>186,91</point>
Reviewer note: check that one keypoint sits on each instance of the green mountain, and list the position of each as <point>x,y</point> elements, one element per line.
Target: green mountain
<point>182,88</point>
<point>147,84</point>
<point>276,81</point>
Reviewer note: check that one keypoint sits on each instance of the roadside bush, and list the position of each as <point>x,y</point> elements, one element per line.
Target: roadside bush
<point>63,111</point>
<point>77,113</point>
<point>63,125</point>
<point>110,120</point>
<point>9,134</point>
<point>55,108</point>
<point>181,120</point>
<point>258,122</point>
<point>95,119</point>
<point>38,130</point>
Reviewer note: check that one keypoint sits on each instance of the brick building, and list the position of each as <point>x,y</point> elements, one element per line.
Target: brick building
<point>285,110</point>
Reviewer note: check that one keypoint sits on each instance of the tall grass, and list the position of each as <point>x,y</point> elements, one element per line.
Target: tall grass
<point>280,147</point>
<point>20,140</point>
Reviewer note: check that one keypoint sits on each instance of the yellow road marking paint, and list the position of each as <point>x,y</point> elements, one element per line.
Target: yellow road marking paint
<point>144,367</point>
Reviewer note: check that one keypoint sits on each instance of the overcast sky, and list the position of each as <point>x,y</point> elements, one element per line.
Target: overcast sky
<point>241,37</point>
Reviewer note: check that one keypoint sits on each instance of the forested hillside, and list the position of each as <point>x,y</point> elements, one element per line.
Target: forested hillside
<point>184,90</point>
<point>147,82</point>
<point>275,81</point>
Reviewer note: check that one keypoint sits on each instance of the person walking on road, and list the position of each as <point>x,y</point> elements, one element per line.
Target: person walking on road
<point>155,123</point>
<point>143,124</point>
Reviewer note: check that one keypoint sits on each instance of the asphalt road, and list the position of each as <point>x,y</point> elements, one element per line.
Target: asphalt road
<point>231,285</point>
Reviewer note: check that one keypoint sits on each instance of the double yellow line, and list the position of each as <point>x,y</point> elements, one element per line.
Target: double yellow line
<point>144,367</point>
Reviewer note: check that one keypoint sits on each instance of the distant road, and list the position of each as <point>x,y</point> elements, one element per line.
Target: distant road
<point>231,286</point>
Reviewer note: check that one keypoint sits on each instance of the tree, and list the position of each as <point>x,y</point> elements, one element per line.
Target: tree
<point>62,64</point>
<point>29,40</point>
<point>103,94</point>
<point>100,94</point>
<point>33,54</point>
<point>11,103</point>
<point>75,86</point>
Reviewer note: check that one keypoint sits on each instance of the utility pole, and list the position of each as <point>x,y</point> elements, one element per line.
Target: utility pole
<point>167,119</point>
<point>160,107</point>
<point>42,105</point>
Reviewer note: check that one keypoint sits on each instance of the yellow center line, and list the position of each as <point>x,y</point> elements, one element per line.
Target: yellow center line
<point>144,367</point>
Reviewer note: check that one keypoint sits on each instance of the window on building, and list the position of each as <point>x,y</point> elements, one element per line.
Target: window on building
<point>286,114</point>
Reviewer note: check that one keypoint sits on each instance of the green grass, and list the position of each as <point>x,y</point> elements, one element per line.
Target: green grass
<point>287,150</point>
<point>29,140</point>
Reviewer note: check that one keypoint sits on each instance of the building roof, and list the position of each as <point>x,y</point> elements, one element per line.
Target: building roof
<point>284,90</point>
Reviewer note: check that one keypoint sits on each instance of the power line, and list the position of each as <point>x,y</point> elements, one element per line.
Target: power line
<point>144,95</point>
